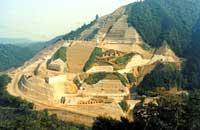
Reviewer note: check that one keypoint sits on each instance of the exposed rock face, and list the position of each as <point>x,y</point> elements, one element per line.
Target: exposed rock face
<point>57,65</point>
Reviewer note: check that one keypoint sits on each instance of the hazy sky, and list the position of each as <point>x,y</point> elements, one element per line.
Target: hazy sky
<point>45,19</point>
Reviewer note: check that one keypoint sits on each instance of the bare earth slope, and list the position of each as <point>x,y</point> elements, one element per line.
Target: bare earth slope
<point>113,28</point>
<point>77,55</point>
<point>48,89</point>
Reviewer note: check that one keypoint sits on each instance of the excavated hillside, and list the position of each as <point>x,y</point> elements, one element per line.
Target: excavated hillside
<point>99,67</point>
<point>113,32</point>
<point>112,28</point>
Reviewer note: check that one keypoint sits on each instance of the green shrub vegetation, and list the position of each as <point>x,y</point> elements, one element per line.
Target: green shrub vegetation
<point>124,59</point>
<point>36,69</point>
<point>109,52</point>
<point>164,75</point>
<point>61,53</point>
<point>120,62</point>
<point>96,52</point>
<point>121,78</point>
<point>124,105</point>
<point>48,62</point>
<point>23,119</point>
<point>96,77</point>
<point>91,35</point>
<point>146,47</point>
<point>131,78</point>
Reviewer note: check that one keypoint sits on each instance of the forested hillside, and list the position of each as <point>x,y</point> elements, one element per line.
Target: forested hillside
<point>12,55</point>
<point>16,53</point>
<point>172,20</point>
<point>178,23</point>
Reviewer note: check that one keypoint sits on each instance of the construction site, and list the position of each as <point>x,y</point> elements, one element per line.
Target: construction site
<point>90,78</point>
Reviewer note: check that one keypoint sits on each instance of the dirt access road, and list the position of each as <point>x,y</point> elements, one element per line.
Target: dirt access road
<point>62,112</point>
<point>82,114</point>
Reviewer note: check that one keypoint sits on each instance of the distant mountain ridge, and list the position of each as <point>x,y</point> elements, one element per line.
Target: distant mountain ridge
<point>13,56</point>
<point>15,41</point>
<point>15,53</point>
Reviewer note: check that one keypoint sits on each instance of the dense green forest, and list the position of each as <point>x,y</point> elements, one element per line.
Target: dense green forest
<point>13,56</point>
<point>16,53</point>
<point>16,114</point>
<point>178,23</point>
<point>170,20</point>
<point>163,76</point>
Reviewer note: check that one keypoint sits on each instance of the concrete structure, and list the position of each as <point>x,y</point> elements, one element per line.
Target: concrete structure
<point>57,65</point>
<point>61,86</point>
<point>56,79</point>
